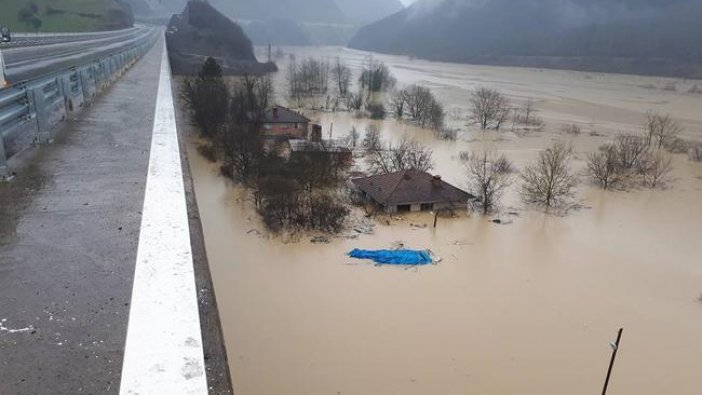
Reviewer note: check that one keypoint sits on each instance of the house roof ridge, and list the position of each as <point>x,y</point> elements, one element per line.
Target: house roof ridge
<point>399,181</point>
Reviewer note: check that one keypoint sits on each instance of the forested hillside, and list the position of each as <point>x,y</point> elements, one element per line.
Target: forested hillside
<point>642,36</point>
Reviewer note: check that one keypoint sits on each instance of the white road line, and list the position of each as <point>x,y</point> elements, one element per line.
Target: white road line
<point>163,353</point>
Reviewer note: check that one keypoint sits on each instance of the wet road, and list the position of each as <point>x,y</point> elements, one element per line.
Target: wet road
<point>70,225</point>
<point>31,61</point>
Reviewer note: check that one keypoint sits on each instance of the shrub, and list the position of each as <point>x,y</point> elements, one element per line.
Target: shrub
<point>572,129</point>
<point>376,110</point>
<point>448,134</point>
<point>208,151</point>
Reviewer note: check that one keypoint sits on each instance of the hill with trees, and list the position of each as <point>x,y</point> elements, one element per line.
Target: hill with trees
<point>287,22</point>
<point>65,15</point>
<point>631,36</point>
<point>201,31</point>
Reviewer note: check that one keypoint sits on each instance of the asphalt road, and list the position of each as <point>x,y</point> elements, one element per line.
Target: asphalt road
<point>68,254</point>
<point>30,39</point>
<point>69,229</point>
<point>29,62</point>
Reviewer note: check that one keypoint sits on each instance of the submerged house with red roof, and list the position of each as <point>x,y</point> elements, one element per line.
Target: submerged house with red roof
<point>410,191</point>
<point>284,123</point>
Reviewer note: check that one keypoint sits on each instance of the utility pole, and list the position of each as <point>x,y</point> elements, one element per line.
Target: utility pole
<point>615,348</point>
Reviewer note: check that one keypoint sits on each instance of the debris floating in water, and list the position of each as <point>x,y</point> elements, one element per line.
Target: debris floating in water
<point>394,257</point>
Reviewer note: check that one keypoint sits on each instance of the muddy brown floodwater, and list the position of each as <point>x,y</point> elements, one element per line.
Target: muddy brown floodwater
<point>525,308</point>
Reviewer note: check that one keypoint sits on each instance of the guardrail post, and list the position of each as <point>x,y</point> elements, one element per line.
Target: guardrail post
<point>3,159</point>
<point>40,110</point>
<point>42,103</point>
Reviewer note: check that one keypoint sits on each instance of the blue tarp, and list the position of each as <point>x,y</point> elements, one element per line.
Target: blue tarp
<point>393,257</point>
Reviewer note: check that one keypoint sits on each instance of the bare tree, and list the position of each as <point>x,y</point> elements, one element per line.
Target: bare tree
<point>412,155</point>
<point>504,165</point>
<point>528,109</point>
<point>256,94</point>
<point>695,153</point>
<point>309,78</point>
<point>489,108</point>
<point>353,137</point>
<point>661,130</point>
<point>550,181</point>
<point>629,160</point>
<point>487,180</point>
<point>240,138</point>
<point>501,117</point>
<point>342,76</point>
<point>376,110</point>
<point>376,77</point>
<point>354,101</point>
<point>604,169</point>
<point>630,150</point>
<point>398,101</point>
<point>421,106</point>
<point>371,141</point>
<point>655,169</point>
<point>408,155</point>
<point>573,128</point>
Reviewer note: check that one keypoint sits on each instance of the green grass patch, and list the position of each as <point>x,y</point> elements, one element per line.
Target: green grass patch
<point>63,15</point>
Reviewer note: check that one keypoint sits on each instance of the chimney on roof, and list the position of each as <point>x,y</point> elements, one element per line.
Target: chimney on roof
<point>275,112</point>
<point>436,181</point>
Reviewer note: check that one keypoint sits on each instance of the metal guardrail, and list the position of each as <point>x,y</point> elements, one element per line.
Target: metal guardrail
<point>21,39</point>
<point>31,109</point>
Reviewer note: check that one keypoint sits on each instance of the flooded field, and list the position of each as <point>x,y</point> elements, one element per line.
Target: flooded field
<point>524,308</point>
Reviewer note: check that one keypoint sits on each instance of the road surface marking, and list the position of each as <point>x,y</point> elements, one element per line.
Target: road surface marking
<point>163,352</point>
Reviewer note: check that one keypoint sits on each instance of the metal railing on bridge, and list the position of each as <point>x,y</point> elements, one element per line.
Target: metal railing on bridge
<point>25,39</point>
<point>30,110</point>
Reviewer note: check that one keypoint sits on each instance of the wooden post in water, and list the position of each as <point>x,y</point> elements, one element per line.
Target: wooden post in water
<point>615,348</point>
<point>436,216</point>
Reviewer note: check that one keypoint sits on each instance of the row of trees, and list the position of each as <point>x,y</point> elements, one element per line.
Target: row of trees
<point>308,78</point>
<point>313,77</point>
<point>415,103</point>
<point>298,193</point>
<point>490,109</point>
<point>550,181</point>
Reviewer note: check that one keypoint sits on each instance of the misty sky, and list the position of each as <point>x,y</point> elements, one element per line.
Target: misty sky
<point>407,2</point>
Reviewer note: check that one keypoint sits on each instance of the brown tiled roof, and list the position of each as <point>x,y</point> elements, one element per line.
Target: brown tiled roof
<point>410,187</point>
<point>285,115</point>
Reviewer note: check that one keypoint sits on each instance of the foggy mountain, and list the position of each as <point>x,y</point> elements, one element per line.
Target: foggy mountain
<point>292,22</point>
<point>367,11</point>
<point>321,11</point>
<point>200,31</point>
<point>639,36</point>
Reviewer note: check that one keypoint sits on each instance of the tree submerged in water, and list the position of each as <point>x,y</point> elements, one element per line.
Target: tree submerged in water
<point>291,194</point>
<point>207,97</point>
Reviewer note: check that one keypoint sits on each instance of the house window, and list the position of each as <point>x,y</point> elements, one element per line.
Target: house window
<point>404,208</point>
<point>267,126</point>
<point>427,206</point>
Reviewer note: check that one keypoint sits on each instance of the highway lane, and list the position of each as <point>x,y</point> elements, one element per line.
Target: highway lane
<point>30,62</point>
<point>32,39</point>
